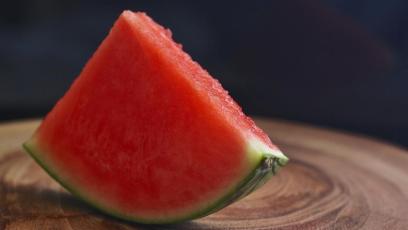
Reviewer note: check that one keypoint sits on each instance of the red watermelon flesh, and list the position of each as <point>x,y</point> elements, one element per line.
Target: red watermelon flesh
<point>145,134</point>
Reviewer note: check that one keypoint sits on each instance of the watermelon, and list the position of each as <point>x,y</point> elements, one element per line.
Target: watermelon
<point>145,134</point>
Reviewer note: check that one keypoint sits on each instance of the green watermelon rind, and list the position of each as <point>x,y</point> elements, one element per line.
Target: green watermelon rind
<point>268,164</point>
<point>267,167</point>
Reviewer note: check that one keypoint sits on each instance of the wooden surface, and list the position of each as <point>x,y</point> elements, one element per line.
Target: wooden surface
<point>333,181</point>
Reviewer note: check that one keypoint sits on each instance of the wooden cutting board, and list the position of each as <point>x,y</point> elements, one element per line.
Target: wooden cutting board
<point>333,181</point>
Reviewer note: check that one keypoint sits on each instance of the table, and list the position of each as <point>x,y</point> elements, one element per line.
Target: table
<point>334,181</point>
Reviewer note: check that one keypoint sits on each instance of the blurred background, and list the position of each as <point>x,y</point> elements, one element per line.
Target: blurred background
<point>332,63</point>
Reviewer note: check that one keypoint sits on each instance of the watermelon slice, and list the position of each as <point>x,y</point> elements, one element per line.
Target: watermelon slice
<point>145,134</point>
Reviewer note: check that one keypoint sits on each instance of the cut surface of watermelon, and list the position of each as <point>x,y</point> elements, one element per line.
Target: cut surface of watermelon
<point>145,134</point>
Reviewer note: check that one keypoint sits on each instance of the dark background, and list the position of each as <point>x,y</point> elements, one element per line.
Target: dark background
<point>334,63</point>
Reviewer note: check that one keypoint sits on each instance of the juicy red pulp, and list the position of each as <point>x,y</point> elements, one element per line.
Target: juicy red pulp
<point>135,130</point>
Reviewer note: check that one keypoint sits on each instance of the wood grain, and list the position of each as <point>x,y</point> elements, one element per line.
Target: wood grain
<point>333,181</point>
